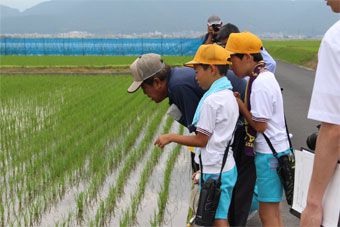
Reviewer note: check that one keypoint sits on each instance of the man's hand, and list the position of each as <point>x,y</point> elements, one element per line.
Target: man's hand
<point>211,31</point>
<point>163,140</point>
<point>237,94</point>
<point>196,177</point>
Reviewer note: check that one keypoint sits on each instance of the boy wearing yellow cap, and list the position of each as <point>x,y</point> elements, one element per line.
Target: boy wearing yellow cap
<point>215,119</point>
<point>264,114</point>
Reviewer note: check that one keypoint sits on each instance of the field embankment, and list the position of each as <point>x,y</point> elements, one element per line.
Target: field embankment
<point>76,63</point>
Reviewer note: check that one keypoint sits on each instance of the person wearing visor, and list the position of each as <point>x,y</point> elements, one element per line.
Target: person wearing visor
<point>214,26</point>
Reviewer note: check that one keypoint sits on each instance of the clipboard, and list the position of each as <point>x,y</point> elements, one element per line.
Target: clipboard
<point>304,159</point>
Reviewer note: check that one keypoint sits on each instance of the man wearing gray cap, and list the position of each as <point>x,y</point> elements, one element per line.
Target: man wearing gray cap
<point>214,26</point>
<point>160,81</point>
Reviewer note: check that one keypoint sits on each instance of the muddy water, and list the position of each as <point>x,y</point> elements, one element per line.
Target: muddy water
<point>177,207</point>
<point>179,189</point>
<point>60,212</point>
<point>65,210</point>
<point>129,189</point>
<point>148,206</point>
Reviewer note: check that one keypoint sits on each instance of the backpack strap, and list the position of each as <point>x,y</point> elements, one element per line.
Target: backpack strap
<point>225,156</point>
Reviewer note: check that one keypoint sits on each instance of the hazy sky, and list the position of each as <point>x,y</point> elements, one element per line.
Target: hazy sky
<point>21,4</point>
<point>25,4</point>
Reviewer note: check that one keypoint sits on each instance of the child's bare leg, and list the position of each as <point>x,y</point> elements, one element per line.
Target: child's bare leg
<point>221,223</point>
<point>270,214</point>
<point>281,220</point>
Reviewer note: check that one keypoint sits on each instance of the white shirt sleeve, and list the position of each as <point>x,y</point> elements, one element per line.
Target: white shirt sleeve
<point>206,123</point>
<point>325,104</point>
<point>261,101</point>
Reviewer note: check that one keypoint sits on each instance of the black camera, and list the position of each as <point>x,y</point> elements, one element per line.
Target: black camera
<point>311,139</point>
<point>216,27</point>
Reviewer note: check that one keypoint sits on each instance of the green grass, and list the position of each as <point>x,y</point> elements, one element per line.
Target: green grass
<point>80,61</point>
<point>300,52</point>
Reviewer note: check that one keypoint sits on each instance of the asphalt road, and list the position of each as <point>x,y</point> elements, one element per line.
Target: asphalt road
<point>297,84</point>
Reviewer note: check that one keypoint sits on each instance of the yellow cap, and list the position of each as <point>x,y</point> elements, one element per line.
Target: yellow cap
<point>210,54</point>
<point>243,43</point>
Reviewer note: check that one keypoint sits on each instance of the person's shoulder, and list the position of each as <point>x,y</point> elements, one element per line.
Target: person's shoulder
<point>265,76</point>
<point>178,76</point>
<point>220,97</point>
<point>266,80</point>
<point>334,29</point>
<point>182,72</point>
<point>331,37</point>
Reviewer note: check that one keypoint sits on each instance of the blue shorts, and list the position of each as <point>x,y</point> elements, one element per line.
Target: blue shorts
<point>228,180</point>
<point>270,188</point>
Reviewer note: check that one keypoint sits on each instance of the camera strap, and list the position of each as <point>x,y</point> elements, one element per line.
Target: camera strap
<point>271,145</point>
<point>225,156</point>
<point>289,140</point>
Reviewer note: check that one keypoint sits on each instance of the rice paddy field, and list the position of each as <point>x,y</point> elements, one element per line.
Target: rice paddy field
<point>78,151</point>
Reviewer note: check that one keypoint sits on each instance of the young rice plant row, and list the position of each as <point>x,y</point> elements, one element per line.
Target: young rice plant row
<point>60,133</point>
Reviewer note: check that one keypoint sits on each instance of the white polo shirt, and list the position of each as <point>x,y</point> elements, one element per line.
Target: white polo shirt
<point>325,101</point>
<point>218,115</point>
<point>267,106</point>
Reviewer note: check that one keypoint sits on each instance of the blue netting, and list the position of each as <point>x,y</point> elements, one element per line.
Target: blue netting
<point>62,46</point>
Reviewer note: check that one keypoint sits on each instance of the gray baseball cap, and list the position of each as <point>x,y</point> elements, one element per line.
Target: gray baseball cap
<point>214,19</point>
<point>143,68</point>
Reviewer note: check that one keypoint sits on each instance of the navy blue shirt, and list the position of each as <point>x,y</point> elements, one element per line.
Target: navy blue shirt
<point>185,93</point>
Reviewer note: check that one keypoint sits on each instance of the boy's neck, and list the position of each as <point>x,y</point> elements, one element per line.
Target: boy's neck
<point>216,77</point>
<point>252,67</point>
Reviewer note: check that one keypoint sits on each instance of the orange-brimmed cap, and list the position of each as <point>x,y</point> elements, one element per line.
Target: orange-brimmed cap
<point>210,54</point>
<point>243,43</point>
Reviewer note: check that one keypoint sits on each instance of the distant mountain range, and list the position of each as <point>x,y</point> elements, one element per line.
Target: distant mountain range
<point>307,18</point>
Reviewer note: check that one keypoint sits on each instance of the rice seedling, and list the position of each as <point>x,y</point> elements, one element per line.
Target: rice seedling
<point>80,203</point>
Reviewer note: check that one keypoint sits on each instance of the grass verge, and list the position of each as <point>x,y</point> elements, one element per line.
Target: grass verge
<point>299,52</point>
